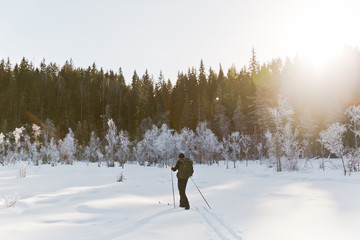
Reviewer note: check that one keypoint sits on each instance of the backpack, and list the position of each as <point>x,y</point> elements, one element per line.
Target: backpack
<point>186,169</point>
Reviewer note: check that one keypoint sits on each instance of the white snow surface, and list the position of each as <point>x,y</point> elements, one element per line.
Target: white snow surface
<point>86,202</point>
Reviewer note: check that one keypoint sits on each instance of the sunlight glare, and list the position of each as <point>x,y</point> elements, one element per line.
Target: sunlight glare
<point>320,33</point>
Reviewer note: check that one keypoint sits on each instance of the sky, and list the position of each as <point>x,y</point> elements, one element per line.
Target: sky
<point>172,36</point>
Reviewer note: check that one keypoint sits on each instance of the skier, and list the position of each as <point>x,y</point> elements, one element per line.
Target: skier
<point>185,170</point>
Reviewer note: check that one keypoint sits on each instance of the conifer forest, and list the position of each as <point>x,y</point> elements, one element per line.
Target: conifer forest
<point>262,102</point>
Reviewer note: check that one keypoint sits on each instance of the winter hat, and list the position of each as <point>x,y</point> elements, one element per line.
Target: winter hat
<point>181,155</point>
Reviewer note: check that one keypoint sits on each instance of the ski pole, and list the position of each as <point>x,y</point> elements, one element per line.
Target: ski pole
<point>172,182</point>
<point>200,192</point>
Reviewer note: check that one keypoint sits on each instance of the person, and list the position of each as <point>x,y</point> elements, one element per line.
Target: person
<point>185,170</point>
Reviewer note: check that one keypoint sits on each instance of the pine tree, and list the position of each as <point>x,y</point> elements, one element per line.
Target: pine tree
<point>178,96</point>
<point>148,100</point>
<point>239,121</point>
<point>135,104</point>
<point>221,123</point>
<point>163,101</point>
<point>253,64</point>
<point>204,101</point>
<point>194,98</point>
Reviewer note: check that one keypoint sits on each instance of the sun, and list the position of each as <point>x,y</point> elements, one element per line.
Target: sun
<point>321,32</point>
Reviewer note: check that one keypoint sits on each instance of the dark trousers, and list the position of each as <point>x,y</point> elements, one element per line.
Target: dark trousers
<point>182,187</point>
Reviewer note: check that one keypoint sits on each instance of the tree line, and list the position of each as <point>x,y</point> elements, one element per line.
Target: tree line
<point>84,99</point>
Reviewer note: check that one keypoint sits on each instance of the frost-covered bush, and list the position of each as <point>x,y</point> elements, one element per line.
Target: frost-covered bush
<point>123,151</point>
<point>121,177</point>
<point>206,143</point>
<point>22,170</point>
<point>352,157</point>
<point>332,139</point>
<point>166,144</point>
<point>67,148</point>
<point>145,150</point>
<point>231,147</point>
<point>186,143</point>
<point>281,141</point>
<point>18,146</point>
<point>112,140</point>
<point>353,113</point>
<point>259,149</point>
<point>10,200</point>
<point>90,152</point>
<point>353,154</point>
<point>159,146</point>
<point>16,151</point>
<point>18,132</point>
<point>246,145</point>
<point>35,145</point>
<point>291,147</point>
<point>54,152</point>
<point>117,146</point>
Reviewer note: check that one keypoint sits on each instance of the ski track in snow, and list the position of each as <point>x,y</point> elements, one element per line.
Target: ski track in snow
<point>85,202</point>
<point>221,229</point>
<point>140,223</point>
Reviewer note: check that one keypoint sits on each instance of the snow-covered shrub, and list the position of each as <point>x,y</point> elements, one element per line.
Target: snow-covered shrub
<point>231,147</point>
<point>332,139</point>
<point>16,152</point>
<point>18,132</point>
<point>139,152</point>
<point>224,150</point>
<point>36,132</point>
<point>10,200</point>
<point>353,113</point>
<point>353,154</point>
<point>100,156</point>
<point>22,169</point>
<point>206,144</point>
<point>117,146</point>
<point>245,145</point>
<point>90,152</point>
<point>159,146</point>
<point>166,145</point>
<point>352,157</point>
<point>162,146</point>
<point>291,147</point>
<point>123,151</point>
<point>34,147</point>
<point>273,145</point>
<point>67,148</point>
<point>121,177</point>
<point>53,152</point>
<point>259,149</point>
<point>145,150</point>
<point>281,142</point>
<point>112,140</point>
<point>186,144</point>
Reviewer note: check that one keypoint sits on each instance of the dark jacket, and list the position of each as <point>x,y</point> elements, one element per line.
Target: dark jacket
<point>177,166</point>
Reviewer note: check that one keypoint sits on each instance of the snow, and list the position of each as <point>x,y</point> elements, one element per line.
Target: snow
<point>86,202</point>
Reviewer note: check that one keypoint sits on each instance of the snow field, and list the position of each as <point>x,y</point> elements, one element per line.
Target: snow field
<point>255,203</point>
